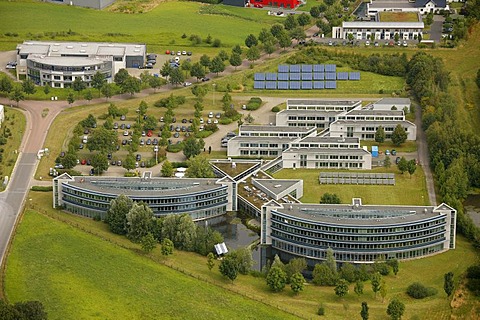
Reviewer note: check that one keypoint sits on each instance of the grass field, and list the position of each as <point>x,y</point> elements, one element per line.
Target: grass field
<point>55,263</point>
<point>408,146</point>
<point>398,17</point>
<point>15,122</point>
<point>406,191</point>
<point>160,28</point>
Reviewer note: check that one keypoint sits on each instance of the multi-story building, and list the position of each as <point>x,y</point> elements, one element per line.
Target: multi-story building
<point>421,6</point>
<point>90,196</point>
<point>287,4</point>
<point>363,123</point>
<point>392,104</point>
<point>357,233</point>
<point>58,64</point>
<point>327,153</point>
<point>95,4</point>
<point>362,30</point>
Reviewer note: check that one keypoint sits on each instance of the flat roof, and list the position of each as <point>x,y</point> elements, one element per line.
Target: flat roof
<point>393,101</point>
<point>376,122</point>
<point>59,48</point>
<point>324,139</point>
<point>309,112</point>
<point>263,139</point>
<point>286,129</point>
<point>374,112</point>
<point>70,61</point>
<point>136,186</point>
<point>277,186</point>
<point>380,25</point>
<point>391,4</point>
<point>315,102</point>
<point>338,151</point>
<point>363,215</point>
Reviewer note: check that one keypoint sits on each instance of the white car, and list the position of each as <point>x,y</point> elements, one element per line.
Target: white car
<point>201,120</point>
<point>367,43</point>
<point>184,53</point>
<point>209,121</point>
<point>215,121</point>
<point>187,84</point>
<point>405,44</point>
<point>179,53</point>
<point>125,133</point>
<point>210,115</point>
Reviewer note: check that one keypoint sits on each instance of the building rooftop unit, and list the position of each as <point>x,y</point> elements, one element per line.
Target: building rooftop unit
<point>356,214</point>
<point>62,49</point>
<point>152,187</point>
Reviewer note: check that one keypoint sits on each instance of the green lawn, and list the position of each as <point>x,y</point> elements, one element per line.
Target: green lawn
<point>406,191</point>
<point>398,17</point>
<point>76,272</point>
<point>160,28</point>
<point>408,146</point>
<point>15,122</point>
<point>79,276</point>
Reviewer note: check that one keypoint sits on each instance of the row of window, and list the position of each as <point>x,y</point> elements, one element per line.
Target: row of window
<point>325,145</point>
<point>320,108</point>
<point>272,134</point>
<point>259,152</point>
<point>337,165</point>
<point>336,157</point>
<point>370,118</point>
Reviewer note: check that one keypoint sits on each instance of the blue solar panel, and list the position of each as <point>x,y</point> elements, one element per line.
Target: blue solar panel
<point>307,68</point>
<point>282,85</point>
<point>259,85</point>
<point>295,85</point>
<point>354,76</point>
<point>318,68</point>
<point>330,84</point>
<point>282,76</point>
<point>330,76</point>
<point>259,77</point>
<point>295,76</point>
<point>295,68</point>
<point>342,76</point>
<point>319,76</point>
<point>307,85</point>
<point>330,68</point>
<point>271,85</point>
<point>306,76</point>
<point>270,76</point>
<point>318,85</point>
<point>283,68</point>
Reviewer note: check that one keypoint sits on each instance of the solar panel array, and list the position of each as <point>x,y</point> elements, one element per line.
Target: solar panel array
<point>303,76</point>
<point>356,178</point>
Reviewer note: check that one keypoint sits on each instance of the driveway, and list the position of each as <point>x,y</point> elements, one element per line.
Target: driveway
<point>436,28</point>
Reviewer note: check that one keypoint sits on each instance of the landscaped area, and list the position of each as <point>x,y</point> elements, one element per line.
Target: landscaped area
<point>408,190</point>
<point>398,17</point>
<point>53,261</point>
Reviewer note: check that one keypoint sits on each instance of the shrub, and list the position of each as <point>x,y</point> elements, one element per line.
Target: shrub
<point>180,164</point>
<point>418,291</point>
<point>130,174</point>
<point>321,311</point>
<point>203,134</point>
<point>254,103</point>
<point>42,188</point>
<point>175,147</point>
<point>275,109</point>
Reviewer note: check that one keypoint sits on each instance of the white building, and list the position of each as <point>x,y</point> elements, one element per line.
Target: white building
<point>420,6</point>
<point>362,30</point>
<point>58,64</point>
<point>395,103</point>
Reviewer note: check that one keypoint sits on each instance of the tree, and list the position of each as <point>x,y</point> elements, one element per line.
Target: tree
<point>396,37</point>
<point>210,261</point>
<point>167,169</point>
<point>251,41</point>
<point>69,160</point>
<point>167,247</point>
<point>448,284</point>
<point>166,70</point>
<point>394,264</point>
<point>296,282</point>
<point>295,265</point>
<point>103,140</point>
<point>199,92</point>
<point>399,135</point>
<point>17,95</point>
<point>131,85</point>
<point>324,27</point>
<point>70,97</point>
<point>269,46</point>
<point>150,122</point>
<point>148,243</point>
<point>330,198</point>
<point>383,290</point>
<point>303,19</point>
<point>315,12</point>
<point>323,275</point>
<point>28,86</point>
<point>217,65</point>
<point>284,39</point>
<point>223,55</point>
<point>155,83</point>
<point>116,217</point>
<point>176,77</point>
<point>347,272</point>
<point>129,162</point>
<point>193,147</point>
<point>78,84</point>
<point>99,163</point>
<point>205,61</point>
<point>98,80</point>
<point>276,29</point>
<point>113,111</point>
<point>298,34</point>
<point>341,289</point>
<point>395,309</point>
<point>197,71</point>
<point>376,282</point>
<point>235,60</point>
<point>253,53</point>
<point>139,221</point>
<point>199,167</point>
<point>88,95</point>
<point>31,310</point>
<point>477,79</point>
<point>402,165</point>
<point>276,279</point>
<point>228,268</point>
<point>380,135</point>
<point>6,84</point>
<point>387,163</point>
<point>290,22</point>
<point>237,50</point>
<point>142,108</point>
<point>120,77</point>
<point>186,66</point>
<point>358,287</point>
<point>249,118</point>
<point>364,312</point>
<point>107,90</point>
<point>411,166</point>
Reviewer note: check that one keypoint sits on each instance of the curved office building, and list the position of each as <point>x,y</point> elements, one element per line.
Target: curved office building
<point>357,233</point>
<point>90,196</point>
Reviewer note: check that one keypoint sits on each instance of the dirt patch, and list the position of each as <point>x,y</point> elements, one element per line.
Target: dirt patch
<point>134,6</point>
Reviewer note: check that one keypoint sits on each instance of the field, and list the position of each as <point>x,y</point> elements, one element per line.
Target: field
<point>53,261</point>
<point>406,191</point>
<point>398,17</point>
<point>15,122</point>
<point>161,29</point>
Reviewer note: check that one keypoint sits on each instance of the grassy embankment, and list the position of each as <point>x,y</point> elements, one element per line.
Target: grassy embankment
<point>78,274</point>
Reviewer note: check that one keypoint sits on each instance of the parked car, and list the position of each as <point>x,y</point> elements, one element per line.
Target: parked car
<point>187,84</point>
<point>123,117</point>
<point>397,160</point>
<point>205,79</point>
<point>387,152</point>
<point>138,157</point>
<point>394,152</point>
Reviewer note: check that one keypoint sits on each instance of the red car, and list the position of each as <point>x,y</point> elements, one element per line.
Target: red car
<point>167,52</point>
<point>83,162</point>
<point>149,133</point>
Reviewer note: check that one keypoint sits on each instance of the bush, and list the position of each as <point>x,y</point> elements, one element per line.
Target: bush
<point>275,109</point>
<point>254,103</point>
<point>130,174</point>
<point>202,134</point>
<point>175,147</point>
<point>42,188</point>
<point>418,291</point>
<point>225,121</point>
<point>180,164</point>
<point>321,311</point>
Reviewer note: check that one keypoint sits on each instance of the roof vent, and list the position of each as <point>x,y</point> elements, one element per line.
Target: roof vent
<point>83,51</point>
<point>69,47</point>
<point>84,45</point>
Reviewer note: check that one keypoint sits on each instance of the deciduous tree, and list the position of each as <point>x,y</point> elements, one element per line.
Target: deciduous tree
<point>235,60</point>
<point>117,214</point>
<point>251,41</point>
<point>376,282</point>
<point>364,312</point>
<point>176,77</point>
<point>167,169</point>
<point>296,282</point>
<point>228,268</point>
<point>99,163</point>
<point>210,261</point>
<point>399,135</point>
<point>395,309</point>
<point>167,247</point>
<point>448,284</point>
<point>78,84</point>
<point>28,86</point>
<point>341,289</point>
<point>276,279</point>
<point>139,221</point>
<point>330,198</point>
<point>148,243</point>
<point>217,65</point>
<point>380,135</point>
<point>199,167</point>
<point>103,140</point>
